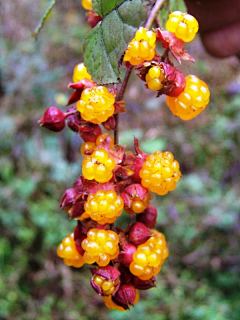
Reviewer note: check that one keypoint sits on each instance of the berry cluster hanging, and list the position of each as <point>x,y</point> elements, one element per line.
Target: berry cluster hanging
<point>114,179</point>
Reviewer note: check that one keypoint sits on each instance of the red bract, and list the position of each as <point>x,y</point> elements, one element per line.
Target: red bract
<point>175,45</point>
<point>53,119</point>
<point>78,89</point>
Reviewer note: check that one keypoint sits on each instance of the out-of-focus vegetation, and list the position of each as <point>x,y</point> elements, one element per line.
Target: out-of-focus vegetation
<point>200,279</point>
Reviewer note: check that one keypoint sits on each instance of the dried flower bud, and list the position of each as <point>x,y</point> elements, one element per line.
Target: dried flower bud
<point>105,281</point>
<point>143,284</point>
<point>53,119</point>
<point>138,233</point>
<point>110,124</point>
<point>126,256</point>
<point>148,217</point>
<point>125,296</point>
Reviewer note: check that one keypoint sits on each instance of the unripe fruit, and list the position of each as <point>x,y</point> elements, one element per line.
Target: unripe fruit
<point>183,25</point>
<point>160,172</point>
<point>96,104</point>
<point>192,101</point>
<point>141,48</point>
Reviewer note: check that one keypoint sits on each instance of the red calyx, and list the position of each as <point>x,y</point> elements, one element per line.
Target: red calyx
<point>126,256</point>
<point>53,119</point>
<point>148,216</point>
<point>109,273</point>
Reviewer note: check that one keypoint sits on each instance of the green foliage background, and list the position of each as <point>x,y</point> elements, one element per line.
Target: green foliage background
<point>200,219</point>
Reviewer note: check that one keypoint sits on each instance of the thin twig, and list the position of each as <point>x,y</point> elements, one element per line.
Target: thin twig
<point>153,13</point>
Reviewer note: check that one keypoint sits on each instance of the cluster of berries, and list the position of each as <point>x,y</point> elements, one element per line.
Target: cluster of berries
<point>186,96</point>
<point>114,179</point>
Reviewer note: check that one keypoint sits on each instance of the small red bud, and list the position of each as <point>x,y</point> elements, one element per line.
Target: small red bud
<point>148,216</point>
<point>93,18</point>
<point>126,256</point>
<point>125,296</point>
<point>138,233</point>
<point>53,119</point>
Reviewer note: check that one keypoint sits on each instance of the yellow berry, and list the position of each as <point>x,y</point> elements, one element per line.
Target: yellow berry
<point>155,78</point>
<point>192,101</point>
<point>141,48</point>
<point>149,257</point>
<point>183,25</point>
<point>80,72</point>
<point>87,4</point>
<point>98,166</point>
<point>67,250</point>
<point>160,172</point>
<point>96,104</point>
<point>104,206</point>
<point>100,248</point>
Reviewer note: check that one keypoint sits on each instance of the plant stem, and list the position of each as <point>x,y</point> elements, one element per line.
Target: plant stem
<point>121,92</point>
<point>153,13</point>
<point>119,98</point>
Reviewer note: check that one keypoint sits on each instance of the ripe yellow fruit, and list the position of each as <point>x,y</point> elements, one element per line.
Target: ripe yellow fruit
<point>192,101</point>
<point>141,48</point>
<point>183,25</point>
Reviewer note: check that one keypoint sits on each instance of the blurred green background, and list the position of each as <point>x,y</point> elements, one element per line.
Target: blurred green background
<point>200,279</point>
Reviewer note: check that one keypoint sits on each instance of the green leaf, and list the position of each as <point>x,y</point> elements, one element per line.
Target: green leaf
<point>46,15</point>
<point>104,7</point>
<point>106,43</point>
